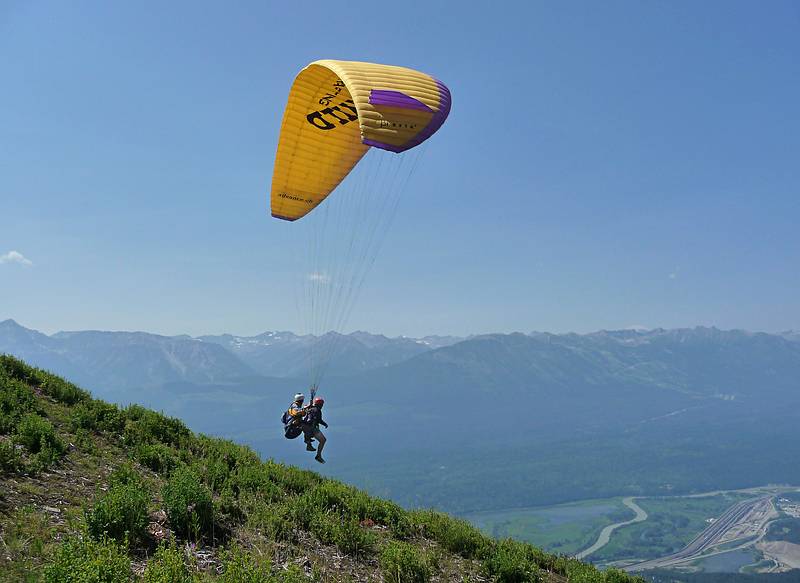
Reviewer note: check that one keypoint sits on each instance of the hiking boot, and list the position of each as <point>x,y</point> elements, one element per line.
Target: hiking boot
<point>319,459</point>
<point>310,447</point>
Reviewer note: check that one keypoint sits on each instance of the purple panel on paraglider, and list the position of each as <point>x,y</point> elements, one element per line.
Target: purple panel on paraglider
<point>398,99</point>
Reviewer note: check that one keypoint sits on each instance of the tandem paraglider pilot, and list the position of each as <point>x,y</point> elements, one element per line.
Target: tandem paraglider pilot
<point>310,425</point>
<point>299,419</point>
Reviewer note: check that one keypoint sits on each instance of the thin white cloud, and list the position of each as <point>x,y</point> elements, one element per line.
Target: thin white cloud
<point>15,257</point>
<point>319,277</point>
<point>675,272</point>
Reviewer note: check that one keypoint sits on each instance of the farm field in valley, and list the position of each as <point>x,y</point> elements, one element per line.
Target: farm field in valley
<point>564,528</point>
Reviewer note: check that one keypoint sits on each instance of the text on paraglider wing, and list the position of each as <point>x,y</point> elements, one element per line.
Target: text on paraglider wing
<point>328,97</point>
<point>385,123</point>
<point>295,197</point>
<point>344,113</point>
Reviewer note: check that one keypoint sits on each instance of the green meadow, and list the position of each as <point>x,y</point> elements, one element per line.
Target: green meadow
<point>564,528</point>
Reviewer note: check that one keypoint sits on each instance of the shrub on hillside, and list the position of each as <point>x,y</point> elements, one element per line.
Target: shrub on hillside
<point>61,390</point>
<point>239,567</point>
<point>256,479</point>
<point>513,562</point>
<point>352,504</point>
<point>555,563</point>
<point>616,576</point>
<point>188,503</point>
<point>37,433</point>
<point>228,508</point>
<point>330,495</point>
<point>167,566</point>
<point>404,563</point>
<point>578,572</point>
<point>383,512</point>
<point>48,455</point>
<point>9,458</point>
<point>214,471</point>
<point>125,474</point>
<point>304,509</point>
<point>274,520</point>
<point>160,458</point>
<point>19,370</point>
<point>88,560</point>
<point>97,416</point>
<point>455,535</point>
<point>120,513</point>
<point>16,399</point>
<point>290,479</point>
<point>232,454</point>
<point>344,532</point>
<point>56,387</point>
<point>85,442</point>
<point>7,423</point>
<point>145,426</point>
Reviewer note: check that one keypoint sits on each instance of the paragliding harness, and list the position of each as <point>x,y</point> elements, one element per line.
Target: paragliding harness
<point>291,425</point>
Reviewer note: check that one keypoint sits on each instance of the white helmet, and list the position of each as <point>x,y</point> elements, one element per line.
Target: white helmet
<point>299,397</point>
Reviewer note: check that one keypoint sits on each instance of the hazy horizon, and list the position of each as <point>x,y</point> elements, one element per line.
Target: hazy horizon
<point>51,331</point>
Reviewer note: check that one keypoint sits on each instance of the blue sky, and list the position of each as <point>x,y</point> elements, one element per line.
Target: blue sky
<point>604,165</point>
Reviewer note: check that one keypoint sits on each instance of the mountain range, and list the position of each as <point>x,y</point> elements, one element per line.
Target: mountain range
<point>124,360</point>
<point>501,420</point>
<point>285,354</point>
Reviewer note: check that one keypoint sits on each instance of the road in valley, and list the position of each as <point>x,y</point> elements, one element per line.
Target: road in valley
<point>711,536</point>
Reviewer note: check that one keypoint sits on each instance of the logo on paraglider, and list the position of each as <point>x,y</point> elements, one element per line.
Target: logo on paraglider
<point>344,113</point>
<point>295,197</point>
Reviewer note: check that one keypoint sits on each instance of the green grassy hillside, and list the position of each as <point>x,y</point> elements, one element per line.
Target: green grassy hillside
<point>93,492</point>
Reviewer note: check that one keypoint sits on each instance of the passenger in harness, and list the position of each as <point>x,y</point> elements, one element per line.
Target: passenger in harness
<point>292,418</point>
<point>311,422</point>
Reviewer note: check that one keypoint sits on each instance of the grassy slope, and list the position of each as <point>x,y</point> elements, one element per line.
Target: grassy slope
<point>91,492</point>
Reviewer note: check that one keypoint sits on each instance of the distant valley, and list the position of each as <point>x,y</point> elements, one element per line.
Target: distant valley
<point>489,422</point>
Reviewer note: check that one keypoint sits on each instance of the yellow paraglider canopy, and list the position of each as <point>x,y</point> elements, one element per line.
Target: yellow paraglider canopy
<point>336,111</point>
